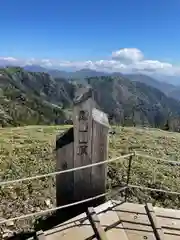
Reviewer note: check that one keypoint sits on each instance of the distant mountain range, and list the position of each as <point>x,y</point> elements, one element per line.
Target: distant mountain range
<point>28,97</point>
<point>169,89</point>
<point>83,73</point>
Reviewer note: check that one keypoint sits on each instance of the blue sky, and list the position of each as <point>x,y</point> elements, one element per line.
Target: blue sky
<point>77,30</point>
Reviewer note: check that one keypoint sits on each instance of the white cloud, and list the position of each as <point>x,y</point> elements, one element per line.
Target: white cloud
<point>47,62</point>
<point>151,66</point>
<point>10,59</point>
<point>109,65</point>
<point>128,55</point>
<point>123,60</point>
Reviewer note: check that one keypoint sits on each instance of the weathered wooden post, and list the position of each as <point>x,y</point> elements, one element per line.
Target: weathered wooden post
<point>85,143</point>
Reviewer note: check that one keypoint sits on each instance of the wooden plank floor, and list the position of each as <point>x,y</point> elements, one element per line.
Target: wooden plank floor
<point>124,221</point>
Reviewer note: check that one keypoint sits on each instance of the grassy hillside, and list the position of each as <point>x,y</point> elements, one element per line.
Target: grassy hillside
<point>28,98</point>
<point>27,151</point>
<point>133,103</point>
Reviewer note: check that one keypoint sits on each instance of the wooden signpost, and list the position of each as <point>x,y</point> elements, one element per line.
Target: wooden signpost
<point>85,143</point>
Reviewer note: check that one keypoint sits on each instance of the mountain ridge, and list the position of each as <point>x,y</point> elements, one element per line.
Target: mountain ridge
<point>47,100</point>
<point>36,97</point>
<point>169,89</point>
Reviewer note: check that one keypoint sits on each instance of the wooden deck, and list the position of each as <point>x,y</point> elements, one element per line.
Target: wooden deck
<point>125,221</point>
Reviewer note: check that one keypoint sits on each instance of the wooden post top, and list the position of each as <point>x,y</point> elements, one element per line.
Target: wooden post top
<point>83,94</point>
<point>100,117</point>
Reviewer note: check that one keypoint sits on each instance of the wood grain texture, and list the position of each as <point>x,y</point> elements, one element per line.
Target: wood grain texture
<point>158,231</point>
<point>126,221</point>
<point>99,154</point>
<point>136,225</point>
<point>65,182</point>
<point>40,235</point>
<point>98,230</point>
<point>82,149</point>
<point>89,145</point>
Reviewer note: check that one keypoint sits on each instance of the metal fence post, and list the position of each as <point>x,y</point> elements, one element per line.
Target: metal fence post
<point>128,176</point>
